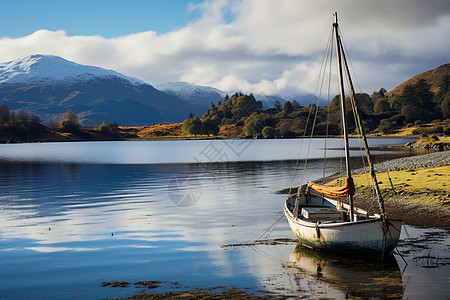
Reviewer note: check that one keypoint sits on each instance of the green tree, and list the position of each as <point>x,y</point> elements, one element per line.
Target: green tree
<point>364,102</point>
<point>108,129</point>
<point>418,95</point>
<point>269,132</point>
<point>335,103</point>
<point>210,125</point>
<point>445,107</point>
<point>71,116</point>
<point>444,89</point>
<point>382,105</point>
<point>196,126</point>
<point>192,126</point>
<point>69,126</point>
<point>245,105</point>
<point>5,113</point>
<point>70,122</point>
<point>385,126</point>
<point>253,125</point>
<point>443,96</point>
<point>186,125</point>
<point>378,95</point>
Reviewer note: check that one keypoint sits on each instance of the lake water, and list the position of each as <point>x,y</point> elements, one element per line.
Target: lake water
<point>75,215</point>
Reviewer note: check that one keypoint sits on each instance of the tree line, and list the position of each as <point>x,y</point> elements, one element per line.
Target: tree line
<point>25,123</point>
<point>7,115</point>
<point>379,112</point>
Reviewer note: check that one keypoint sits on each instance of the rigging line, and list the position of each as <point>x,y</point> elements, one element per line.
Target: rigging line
<point>307,121</point>
<point>317,107</point>
<point>258,236</point>
<point>356,120</point>
<point>372,171</point>
<point>341,162</point>
<point>270,229</point>
<point>328,112</point>
<point>354,104</point>
<point>359,88</point>
<point>350,61</point>
<point>359,134</point>
<point>341,127</point>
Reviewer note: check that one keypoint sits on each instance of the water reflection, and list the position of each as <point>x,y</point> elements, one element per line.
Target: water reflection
<point>65,226</point>
<point>353,278</point>
<point>201,151</point>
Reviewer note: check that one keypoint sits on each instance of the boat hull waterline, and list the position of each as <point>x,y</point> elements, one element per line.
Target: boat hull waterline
<point>363,238</point>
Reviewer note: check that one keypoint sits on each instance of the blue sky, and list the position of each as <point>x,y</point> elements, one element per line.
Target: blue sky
<point>108,18</point>
<point>253,46</point>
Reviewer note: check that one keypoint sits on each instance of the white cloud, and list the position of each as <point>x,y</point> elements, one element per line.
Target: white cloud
<point>266,46</point>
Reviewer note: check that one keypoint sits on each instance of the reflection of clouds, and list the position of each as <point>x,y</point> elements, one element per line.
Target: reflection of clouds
<point>58,249</point>
<point>136,208</point>
<point>90,202</point>
<point>120,207</point>
<point>159,152</point>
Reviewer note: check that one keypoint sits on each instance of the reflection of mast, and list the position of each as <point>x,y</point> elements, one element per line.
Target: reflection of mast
<point>355,277</point>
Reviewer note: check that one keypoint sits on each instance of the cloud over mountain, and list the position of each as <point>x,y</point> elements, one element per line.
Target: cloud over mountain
<point>265,46</point>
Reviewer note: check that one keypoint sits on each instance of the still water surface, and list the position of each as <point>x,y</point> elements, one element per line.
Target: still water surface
<point>72,219</point>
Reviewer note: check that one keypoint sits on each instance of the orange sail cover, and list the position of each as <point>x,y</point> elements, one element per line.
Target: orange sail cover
<point>343,191</point>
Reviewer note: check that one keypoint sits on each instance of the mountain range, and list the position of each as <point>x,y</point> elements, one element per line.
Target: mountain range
<point>49,85</point>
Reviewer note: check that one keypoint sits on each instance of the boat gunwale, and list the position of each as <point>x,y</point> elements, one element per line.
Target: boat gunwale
<point>312,224</point>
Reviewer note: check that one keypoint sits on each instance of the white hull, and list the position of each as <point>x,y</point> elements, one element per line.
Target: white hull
<point>363,238</point>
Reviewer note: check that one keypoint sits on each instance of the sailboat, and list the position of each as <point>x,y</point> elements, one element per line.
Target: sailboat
<point>322,218</point>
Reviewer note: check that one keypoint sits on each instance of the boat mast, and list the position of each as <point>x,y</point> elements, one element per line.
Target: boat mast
<point>363,135</point>
<point>342,98</point>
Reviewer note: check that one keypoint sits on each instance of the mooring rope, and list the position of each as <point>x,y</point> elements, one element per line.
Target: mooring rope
<point>268,229</point>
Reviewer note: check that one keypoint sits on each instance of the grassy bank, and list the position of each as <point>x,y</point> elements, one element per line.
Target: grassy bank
<point>420,196</point>
<point>432,184</point>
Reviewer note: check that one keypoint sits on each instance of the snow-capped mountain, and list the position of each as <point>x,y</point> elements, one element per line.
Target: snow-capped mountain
<point>49,85</point>
<point>41,69</point>
<point>194,94</point>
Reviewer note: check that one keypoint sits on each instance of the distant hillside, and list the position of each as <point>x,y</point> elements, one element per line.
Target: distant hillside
<point>432,77</point>
<point>204,95</point>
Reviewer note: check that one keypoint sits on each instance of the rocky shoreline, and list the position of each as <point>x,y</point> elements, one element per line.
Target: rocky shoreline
<point>428,160</point>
